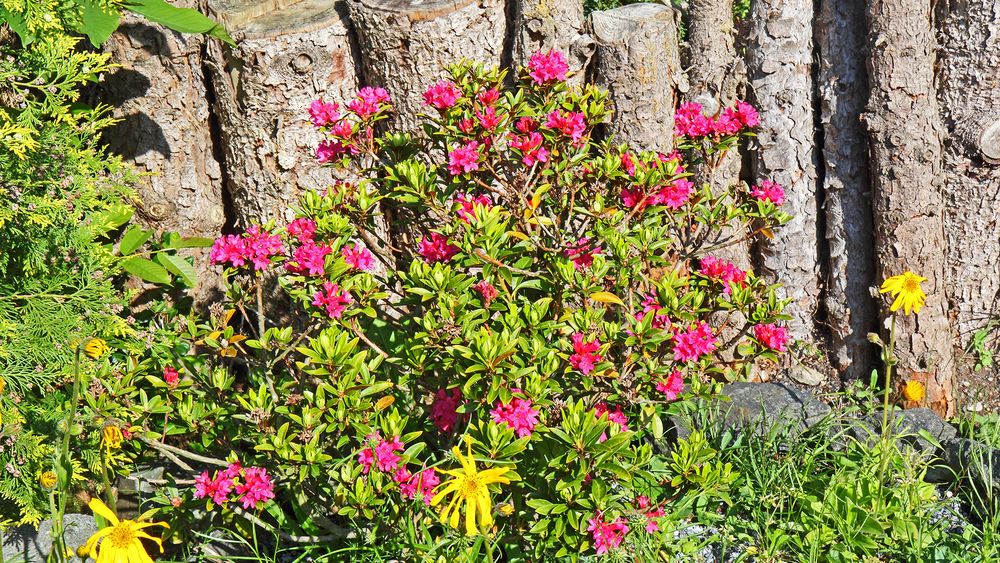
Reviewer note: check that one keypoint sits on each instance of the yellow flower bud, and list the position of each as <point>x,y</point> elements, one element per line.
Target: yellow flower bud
<point>913,391</point>
<point>112,438</point>
<point>47,480</point>
<point>82,552</point>
<point>95,348</point>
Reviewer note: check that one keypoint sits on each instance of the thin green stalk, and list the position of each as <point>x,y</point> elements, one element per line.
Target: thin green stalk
<point>65,469</point>
<point>888,358</point>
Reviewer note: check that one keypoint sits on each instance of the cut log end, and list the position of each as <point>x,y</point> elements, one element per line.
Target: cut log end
<point>267,18</point>
<point>989,142</point>
<point>416,10</point>
<point>619,24</point>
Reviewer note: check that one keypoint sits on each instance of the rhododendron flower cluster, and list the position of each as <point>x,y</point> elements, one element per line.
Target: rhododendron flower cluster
<point>530,147</point>
<point>722,271</point>
<point>357,257</point>
<point>690,345</point>
<point>422,483</point>
<point>606,535</point>
<point>332,299</point>
<point>322,113</point>
<point>368,102</point>
<point>544,68</point>
<point>651,513</point>
<point>573,124</point>
<point>255,246</point>
<point>650,305</point>
<point>464,159</point>
<point>585,355</point>
<point>486,291</point>
<point>769,191</point>
<point>309,259</point>
<point>442,95</point>
<point>303,229</point>
<point>582,253</point>
<point>517,414</point>
<point>771,335</point>
<point>614,416</point>
<point>444,409</point>
<point>251,484</point>
<point>436,248</point>
<point>468,204</point>
<point>382,455</point>
<point>673,385</point>
<point>170,376</point>
<point>690,120</point>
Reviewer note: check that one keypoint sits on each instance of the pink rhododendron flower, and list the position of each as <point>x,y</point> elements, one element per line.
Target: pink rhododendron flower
<point>422,484</point>
<point>343,130</point>
<point>771,335</point>
<point>468,203</point>
<point>486,291</point>
<point>727,123</point>
<point>444,412</point>
<point>322,113</point>
<point>518,415</point>
<point>569,123</point>
<point>692,344</point>
<point>466,125</point>
<point>652,526</point>
<point>650,304</point>
<point>171,376</point>
<point>229,249</point>
<point>747,114</point>
<point>385,454</point>
<point>725,272</point>
<point>366,457</point>
<point>633,196</point>
<point>309,259</point>
<point>217,489</point>
<point>689,121</point>
<point>585,355</point>
<point>232,471</point>
<point>488,118</point>
<point>357,257</point>
<point>442,95</point>
<point>332,299</point>
<point>531,148</point>
<point>606,535</point>
<point>672,386</point>
<point>368,102</point>
<point>489,97</point>
<point>547,67</point>
<point>464,159</point>
<point>674,195</point>
<point>256,488</point>
<point>628,164</point>
<point>436,248</point>
<point>329,150</point>
<point>254,246</point>
<point>526,125</point>
<point>769,191</point>
<point>614,416</point>
<point>582,253</point>
<point>302,228</point>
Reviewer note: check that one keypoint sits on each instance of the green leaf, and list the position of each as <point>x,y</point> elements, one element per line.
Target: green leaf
<point>18,25</point>
<point>184,20</point>
<point>179,267</point>
<point>146,270</point>
<point>95,23</point>
<point>133,239</point>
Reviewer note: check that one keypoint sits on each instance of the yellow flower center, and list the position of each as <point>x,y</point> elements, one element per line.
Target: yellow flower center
<point>470,486</point>
<point>911,284</point>
<point>122,536</point>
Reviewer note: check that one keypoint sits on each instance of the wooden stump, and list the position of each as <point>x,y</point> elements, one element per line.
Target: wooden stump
<point>289,55</point>
<point>405,44</point>
<point>160,94</point>
<point>637,61</point>
<point>540,25</point>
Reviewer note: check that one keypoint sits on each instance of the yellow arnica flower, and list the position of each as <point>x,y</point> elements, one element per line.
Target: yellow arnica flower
<point>913,391</point>
<point>95,348</point>
<point>471,487</point>
<point>905,288</point>
<point>121,542</point>
<point>47,479</point>
<point>112,439</point>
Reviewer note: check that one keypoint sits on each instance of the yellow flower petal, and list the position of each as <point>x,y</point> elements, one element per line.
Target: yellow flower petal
<point>101,509</point>
<point>470,517</point>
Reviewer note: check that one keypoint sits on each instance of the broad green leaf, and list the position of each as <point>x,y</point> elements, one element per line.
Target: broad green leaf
<point>179,267</point>
<point>95,23</point>
<point>133,239</point>
<point>18,25</point>
<point>184,20</point>
<point>146,270</point>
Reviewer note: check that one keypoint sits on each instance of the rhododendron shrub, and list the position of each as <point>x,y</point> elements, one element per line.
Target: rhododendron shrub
<point>547,296</point>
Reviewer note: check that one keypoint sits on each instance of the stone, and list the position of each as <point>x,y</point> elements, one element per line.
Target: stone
<point>980,465</point>
<point>26,544</point>
<point>762,406</point>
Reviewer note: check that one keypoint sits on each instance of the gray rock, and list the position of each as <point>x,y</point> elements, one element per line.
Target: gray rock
<point>907,424</point>
<point>762,406</point>
<point>26,544</point>
<point>980,465</point>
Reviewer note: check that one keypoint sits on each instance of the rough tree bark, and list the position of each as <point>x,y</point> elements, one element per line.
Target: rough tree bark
<point>780,77</point>
<point>905,135</point>
<point>159,92</point>
<point>552,24</point>
<point>286,58</point>
<point>842,85</point>
<point>970,95</point>
<point>637,61</point>
<point>405,44</point>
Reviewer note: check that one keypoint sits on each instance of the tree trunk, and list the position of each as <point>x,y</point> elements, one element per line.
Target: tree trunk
<point>638,63</point>
<point>405,44</point>
<point>970,92</point>
<point>843,91</point>
<point>540,25</point>
<point>905,136</point>
<point>780,77</point>
<point>286,59</point>
<point>160,93</point>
